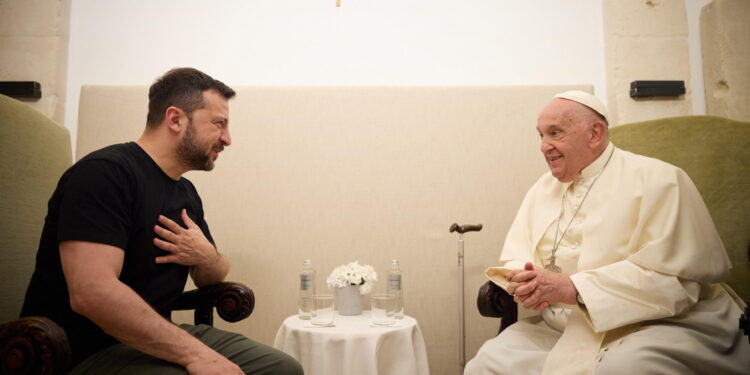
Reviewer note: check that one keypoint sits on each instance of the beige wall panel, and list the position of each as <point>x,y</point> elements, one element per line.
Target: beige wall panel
<point>368,174</point>
<point>26,58</point>
<point>725,41</point>
<point>34,47</point>
<point>645,40</point>
<point>29,17</point>
<point>61,76</point>
<point>645,17</point>
<point>658,58</point>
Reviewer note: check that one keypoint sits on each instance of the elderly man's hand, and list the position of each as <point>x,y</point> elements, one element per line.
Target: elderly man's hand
<point>537,288</point>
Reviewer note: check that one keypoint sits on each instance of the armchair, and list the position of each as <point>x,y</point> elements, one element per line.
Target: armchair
<point>34,152</point>
<point>36,345</point>
<point>715,153</point>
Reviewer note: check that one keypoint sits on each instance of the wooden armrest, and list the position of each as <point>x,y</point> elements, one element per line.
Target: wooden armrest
<point>745,321</point>
<point>494,302</point>
<point>233,302</point>
<point>33,345</point>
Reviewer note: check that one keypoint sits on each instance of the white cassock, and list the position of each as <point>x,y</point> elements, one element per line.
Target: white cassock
<point>645,256</point>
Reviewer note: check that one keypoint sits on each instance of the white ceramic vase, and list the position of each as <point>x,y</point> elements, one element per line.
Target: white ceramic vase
<point>348,300</point>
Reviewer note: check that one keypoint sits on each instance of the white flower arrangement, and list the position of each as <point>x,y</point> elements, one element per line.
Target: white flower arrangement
<point>353,273</point>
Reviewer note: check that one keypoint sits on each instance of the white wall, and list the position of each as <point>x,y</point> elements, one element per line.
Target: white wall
<point>312,42</point>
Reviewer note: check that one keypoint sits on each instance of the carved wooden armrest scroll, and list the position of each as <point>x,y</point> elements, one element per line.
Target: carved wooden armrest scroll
<point>494,302</point>
<point>33,345</point>
<point>233,302</point>
<point>745,321</point>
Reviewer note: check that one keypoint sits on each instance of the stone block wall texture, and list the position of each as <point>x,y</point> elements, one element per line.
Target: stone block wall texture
<point>645,40</point>
<point>34,47</point>
<point>725,42</point>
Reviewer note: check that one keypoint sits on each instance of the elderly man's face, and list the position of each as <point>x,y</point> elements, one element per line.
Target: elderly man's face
<point>565,139</point>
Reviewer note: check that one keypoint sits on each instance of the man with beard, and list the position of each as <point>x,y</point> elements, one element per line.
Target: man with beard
<point>123,231</point>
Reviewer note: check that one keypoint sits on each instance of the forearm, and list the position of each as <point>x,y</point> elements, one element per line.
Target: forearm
<point>120,312</point>
<point>623,293</point>
<point>212,272</point>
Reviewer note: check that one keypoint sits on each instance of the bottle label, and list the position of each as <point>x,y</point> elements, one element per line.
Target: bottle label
<point>394,282</point>
<point>306,282</point>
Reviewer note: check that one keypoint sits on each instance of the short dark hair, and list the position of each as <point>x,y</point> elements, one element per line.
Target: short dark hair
<point>182,88</point>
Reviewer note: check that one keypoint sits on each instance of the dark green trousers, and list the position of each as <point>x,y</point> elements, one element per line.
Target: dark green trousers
<point>252,357</point>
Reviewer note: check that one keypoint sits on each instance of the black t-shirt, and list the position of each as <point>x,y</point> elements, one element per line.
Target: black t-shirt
<point>112,196</point>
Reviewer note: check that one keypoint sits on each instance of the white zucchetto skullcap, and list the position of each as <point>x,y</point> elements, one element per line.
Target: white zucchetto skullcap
<point>586,99</point>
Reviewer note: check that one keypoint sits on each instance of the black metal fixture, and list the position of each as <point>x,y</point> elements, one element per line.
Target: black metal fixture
<point>644,89</point>
<point>21,89</point>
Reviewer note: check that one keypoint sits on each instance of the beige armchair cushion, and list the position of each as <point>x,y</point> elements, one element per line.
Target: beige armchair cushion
<point>34,152</point>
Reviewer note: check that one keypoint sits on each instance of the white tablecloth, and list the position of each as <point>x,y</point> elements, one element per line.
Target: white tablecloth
<point>352,346</point>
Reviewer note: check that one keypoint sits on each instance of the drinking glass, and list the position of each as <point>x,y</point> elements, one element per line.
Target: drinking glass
<point>383,306</point>
<point>322,312</point>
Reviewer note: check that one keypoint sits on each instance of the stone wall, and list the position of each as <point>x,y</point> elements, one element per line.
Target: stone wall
<point>34,47</point>
<point>725,41</point>
<point>645,40</point>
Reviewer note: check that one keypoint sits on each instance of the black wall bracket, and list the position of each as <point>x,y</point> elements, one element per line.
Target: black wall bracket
<point>644,89</point>
<point>21,89</point>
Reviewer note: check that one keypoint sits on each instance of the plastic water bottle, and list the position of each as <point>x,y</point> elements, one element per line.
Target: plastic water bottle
<point>395,288</point>
<point>306,290</point>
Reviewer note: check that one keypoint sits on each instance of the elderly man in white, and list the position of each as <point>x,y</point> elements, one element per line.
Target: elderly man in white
<point>620,255</point>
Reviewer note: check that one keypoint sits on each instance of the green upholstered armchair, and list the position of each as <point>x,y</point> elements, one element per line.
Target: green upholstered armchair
<point>34,153</point>
<point>715,153</point>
